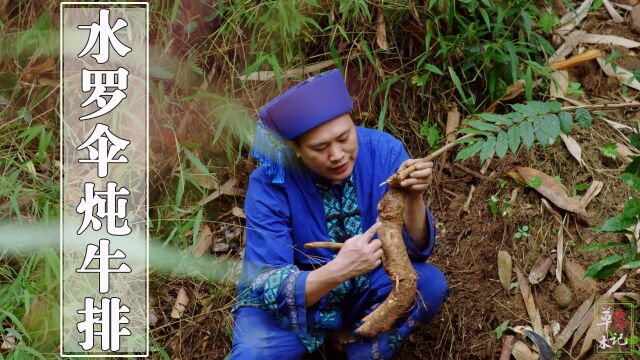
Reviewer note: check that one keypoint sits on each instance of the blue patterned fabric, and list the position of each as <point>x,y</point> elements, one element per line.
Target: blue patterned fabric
<point>281,218</point>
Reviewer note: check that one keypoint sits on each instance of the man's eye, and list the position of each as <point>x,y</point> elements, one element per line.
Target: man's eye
<point>319,148</point>
<point>344,138</point>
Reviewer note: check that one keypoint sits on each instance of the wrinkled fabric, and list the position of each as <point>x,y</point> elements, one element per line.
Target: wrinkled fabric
<point>307,208</point>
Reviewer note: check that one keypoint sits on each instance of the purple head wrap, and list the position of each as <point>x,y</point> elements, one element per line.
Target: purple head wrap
<point>301,108</point>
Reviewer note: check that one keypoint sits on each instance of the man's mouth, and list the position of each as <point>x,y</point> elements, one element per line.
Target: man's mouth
<point>340,169</point>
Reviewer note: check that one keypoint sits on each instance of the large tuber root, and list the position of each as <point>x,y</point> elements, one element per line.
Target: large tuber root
<point>397,265</point>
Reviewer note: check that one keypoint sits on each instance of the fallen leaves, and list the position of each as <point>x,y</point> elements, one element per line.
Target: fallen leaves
<point>550,188</point>
<point>504,270</point>
<point>180,305</point>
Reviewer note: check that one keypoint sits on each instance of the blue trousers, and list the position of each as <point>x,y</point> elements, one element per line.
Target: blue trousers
<point>257,335</point>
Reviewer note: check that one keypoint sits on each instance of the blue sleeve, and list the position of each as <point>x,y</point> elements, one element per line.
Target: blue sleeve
<point>270,279</point>
<point>398,156</point>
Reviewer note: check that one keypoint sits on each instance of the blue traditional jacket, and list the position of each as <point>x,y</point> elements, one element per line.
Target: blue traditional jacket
<point>281,218</point>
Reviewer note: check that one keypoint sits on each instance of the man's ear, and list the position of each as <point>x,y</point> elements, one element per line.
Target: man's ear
<point>294,145</point>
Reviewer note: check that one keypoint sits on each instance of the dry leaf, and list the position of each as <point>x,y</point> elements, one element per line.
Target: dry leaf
<point>453,123</point>
<point>573,18</point>
<point>227,188</point>
<point>574,148</point>
<point>608,40</point>
<point>180,305</point>
<point>623,75</point>
<point>236,211</point>
<point>532,310</point>
<point>588,319</point>
<point>552,190</point>
<point>627,296</point>
<point>593,191</point>
<point>612,11</point>
<point>555,328</point>
<point>573,324</point>
<point>9,342</point>
<point>220,246</point>
<point>504,269</point>
<point>623,152</point>
<point>381,32</point>
<point>579,284</point>
<point>560,85</point>
<point>293,73</point>
<point>596,330</point>
<point>206,237</point>
<point>540,269</point>
<point>570,42</point>
<point>522,352</point>
<point>153,318</point>
<point>560,250</point>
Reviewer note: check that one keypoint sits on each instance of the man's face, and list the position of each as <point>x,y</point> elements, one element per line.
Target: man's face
<point>330,149</point>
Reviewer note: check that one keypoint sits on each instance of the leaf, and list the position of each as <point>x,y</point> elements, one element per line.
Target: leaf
<point>488,148</point>
<point>566,123</point>
<point>609,150</point>
<point>573,147</point>
<point>622,221</point>
<point>430,132</point>
<point>526,132</point>
<point>481,125</point>
<point>502,144</point>
<point>433,69</point>
<point>514,138</point>
<point>495,118</point>
<point>516,117</point>
<point>501,329</point>
<point>469,151</point>
<point>603,246</point>
<point>504,269</point>
<point>631,180</point>
<point>534,108</point>
<point>605,267</point>
<point>552,190</point>
<point>547,129</point>
<point>547,21</point>
<point>583,117</point>
<point>631,265</point>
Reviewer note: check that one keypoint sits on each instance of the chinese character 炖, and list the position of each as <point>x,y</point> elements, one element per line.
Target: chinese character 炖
<point>107,36</point>
<point>99,81</point>
<point>102,255</point>
<point>105,153</point>
<point>110,319</point>
<point>107,205</point>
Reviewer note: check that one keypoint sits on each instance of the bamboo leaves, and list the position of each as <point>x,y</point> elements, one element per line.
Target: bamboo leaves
<point>531,122</point>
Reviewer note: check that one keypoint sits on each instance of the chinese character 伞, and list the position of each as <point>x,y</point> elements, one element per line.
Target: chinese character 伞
<point>103,153</point>
<point>106,35</point>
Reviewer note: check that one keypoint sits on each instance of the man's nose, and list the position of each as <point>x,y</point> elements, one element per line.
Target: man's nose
<point>335,153</point>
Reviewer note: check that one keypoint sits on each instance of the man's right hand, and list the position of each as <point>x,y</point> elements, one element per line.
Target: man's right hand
<point>359,255</point>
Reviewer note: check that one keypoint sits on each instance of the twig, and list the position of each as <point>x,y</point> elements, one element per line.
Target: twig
<point>470,172</point>
<point>602,106</point>
<point>323,245</point>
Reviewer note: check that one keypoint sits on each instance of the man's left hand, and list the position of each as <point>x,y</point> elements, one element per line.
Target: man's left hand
<point>418,181</point>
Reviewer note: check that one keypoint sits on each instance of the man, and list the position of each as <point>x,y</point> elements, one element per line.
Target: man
<point>319,181</point>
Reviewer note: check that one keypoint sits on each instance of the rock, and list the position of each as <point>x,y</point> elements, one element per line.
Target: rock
<point>562,295</point>
<point>634,19</point>
<point>583,287</point>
